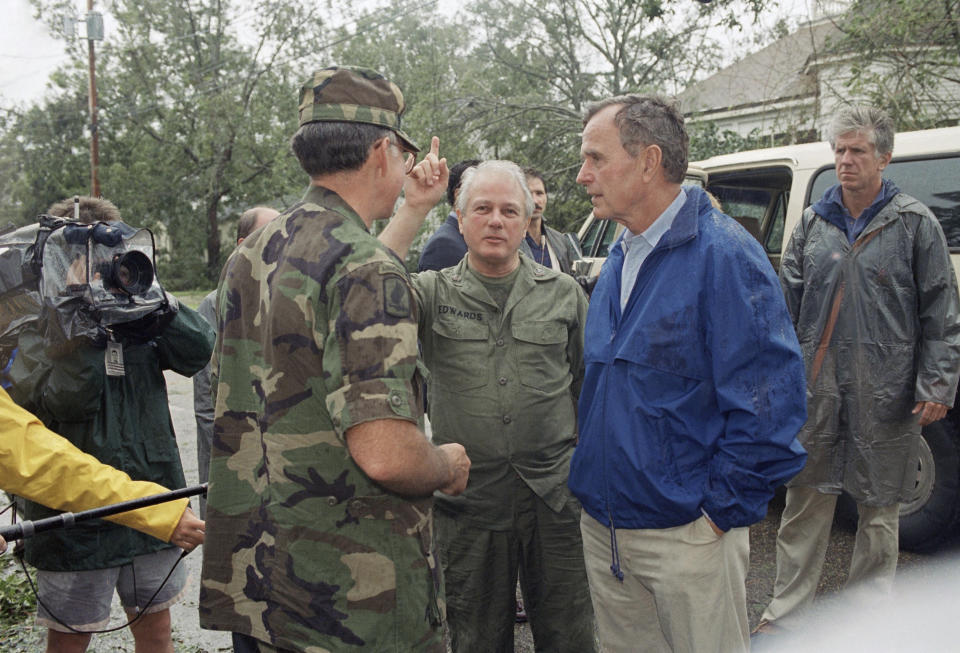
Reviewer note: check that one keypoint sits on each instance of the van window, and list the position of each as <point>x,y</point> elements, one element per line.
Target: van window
<point>935,182</point>
<point>598,238</point>
<point>748,206</point>
<point>609,235</point>
<point>589,240</point>
<point>774,240</point>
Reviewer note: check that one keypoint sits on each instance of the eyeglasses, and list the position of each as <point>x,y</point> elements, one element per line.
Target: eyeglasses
<point>408,161</point>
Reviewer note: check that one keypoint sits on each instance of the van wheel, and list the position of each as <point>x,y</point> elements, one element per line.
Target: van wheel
<point>930,514</point>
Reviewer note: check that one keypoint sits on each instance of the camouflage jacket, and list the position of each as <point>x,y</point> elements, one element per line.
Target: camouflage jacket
<point>317,333</point>
<point>504,383</point>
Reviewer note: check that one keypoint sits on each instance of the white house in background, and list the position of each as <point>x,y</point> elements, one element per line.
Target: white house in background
<point>789,89</point>
<point>771,92</point>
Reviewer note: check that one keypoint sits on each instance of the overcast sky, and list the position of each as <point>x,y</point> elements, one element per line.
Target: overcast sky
<point>28,54</point>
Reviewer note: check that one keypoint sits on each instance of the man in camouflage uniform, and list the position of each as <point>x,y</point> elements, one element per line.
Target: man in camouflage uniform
<point>250,221</point>
<point>502,337</point>
<point>319,531</point>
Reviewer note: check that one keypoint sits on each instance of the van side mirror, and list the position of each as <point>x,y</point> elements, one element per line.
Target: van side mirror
<point>581,268</point>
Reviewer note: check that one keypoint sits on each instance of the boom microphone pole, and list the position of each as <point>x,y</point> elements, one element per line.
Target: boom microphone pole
<point>25,529</point>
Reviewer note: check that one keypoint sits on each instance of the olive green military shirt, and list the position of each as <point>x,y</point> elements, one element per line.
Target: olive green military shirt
<point>503,383</point>
<point>303,550</point>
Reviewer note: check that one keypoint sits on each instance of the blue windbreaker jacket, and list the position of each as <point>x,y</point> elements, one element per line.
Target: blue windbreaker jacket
<point>694,395</point>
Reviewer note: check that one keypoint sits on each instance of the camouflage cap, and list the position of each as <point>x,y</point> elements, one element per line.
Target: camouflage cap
<point>350,94</point>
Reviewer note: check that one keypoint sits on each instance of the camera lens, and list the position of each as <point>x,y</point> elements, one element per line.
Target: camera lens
<point>132,272</point>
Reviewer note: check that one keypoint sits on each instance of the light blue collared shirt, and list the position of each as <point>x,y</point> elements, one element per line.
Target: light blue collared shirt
<point>636,247</point>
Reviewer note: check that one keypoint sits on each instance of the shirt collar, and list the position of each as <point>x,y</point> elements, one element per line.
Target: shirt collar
<point>835,196</point>
<point>660,226</point>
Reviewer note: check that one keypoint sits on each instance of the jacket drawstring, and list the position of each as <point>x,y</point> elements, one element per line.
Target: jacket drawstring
<point>614,551</point>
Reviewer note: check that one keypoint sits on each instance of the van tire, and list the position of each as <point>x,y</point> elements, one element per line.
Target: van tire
<point>929,520</point>
<point>930,517</point>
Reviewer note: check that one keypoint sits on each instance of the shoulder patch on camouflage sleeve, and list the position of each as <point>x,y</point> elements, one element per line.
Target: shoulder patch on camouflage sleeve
<point>396,297</point>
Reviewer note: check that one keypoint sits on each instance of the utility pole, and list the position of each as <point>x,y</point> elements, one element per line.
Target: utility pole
<point>94,127</point>
<point>94,23</point>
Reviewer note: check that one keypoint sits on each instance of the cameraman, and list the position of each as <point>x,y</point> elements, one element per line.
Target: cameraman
<point>34,461</point>
<point>123,420</point>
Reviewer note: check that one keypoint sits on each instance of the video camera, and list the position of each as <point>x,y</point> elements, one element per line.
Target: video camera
<point>77,279</point>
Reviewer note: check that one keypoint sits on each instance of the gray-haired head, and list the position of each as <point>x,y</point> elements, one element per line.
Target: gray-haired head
<point>508,168</point>
<point>650,120</point>
<point>872,122</point>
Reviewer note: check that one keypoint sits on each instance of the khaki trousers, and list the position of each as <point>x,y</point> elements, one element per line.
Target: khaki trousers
<point>682,590</point>
<point>802,546</point>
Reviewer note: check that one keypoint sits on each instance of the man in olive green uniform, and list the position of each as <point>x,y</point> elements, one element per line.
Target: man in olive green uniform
<point>502,338</point>
<point>319,525</point>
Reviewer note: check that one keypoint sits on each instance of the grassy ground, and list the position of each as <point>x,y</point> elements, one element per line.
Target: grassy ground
<point>17,606</point>
<point>191,298</point>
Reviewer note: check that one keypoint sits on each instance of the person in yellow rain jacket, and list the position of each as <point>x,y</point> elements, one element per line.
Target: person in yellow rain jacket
<point>38,464</point>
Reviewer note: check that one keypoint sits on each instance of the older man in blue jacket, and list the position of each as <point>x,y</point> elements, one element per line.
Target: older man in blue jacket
<point>693,395</point>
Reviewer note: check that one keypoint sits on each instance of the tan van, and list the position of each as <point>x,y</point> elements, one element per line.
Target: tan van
<point>766,191</point>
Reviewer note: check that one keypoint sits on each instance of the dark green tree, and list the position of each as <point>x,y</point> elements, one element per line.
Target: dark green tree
<point>707,140</point>
<point>197,98</point>
<point>903,55</point>
<point>191,128</point>
<point>544,61</point>
<point>44,155</point>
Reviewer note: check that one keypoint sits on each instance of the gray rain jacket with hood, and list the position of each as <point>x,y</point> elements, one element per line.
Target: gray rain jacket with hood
<point>879,324</point>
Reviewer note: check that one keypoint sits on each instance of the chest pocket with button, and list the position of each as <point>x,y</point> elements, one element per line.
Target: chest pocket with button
<point>462,350</point>
<point>541,354</point>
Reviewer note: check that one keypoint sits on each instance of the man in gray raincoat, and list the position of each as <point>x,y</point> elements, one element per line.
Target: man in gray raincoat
<point>873,296</point>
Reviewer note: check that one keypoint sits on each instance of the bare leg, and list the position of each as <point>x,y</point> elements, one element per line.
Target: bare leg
<point>151,633</point>
<point>58,642</point>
